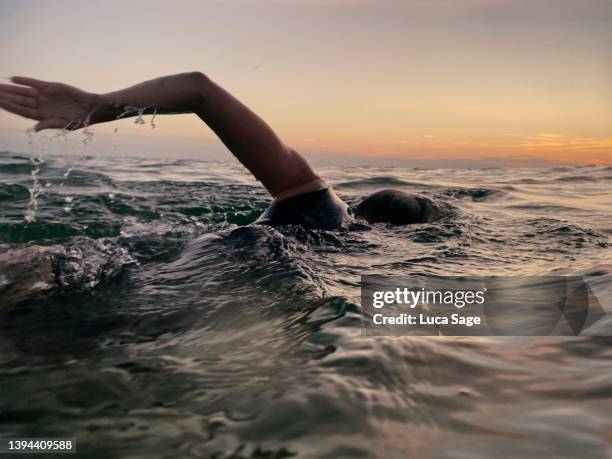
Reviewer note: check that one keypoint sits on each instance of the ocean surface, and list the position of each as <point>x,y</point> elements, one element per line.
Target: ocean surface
<point>179,331</point>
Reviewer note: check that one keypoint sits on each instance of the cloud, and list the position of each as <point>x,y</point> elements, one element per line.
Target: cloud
<point>559,142</point>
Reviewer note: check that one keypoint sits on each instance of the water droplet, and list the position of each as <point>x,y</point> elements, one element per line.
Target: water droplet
<point>153,125</point>
<point>88,135</point>
<point>139,118</point>
<point>127,110</point>
<point>35,189</point>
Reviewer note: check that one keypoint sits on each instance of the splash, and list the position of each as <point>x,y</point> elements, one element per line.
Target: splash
<point>130,110</point>
<point>86,263</point>
<point>36,188</point>
<point>153,125</point>
<point>35,191</point>
<point>88,136</point>
<point>113,147</point>
<point>139,117</point>
<point>37,160</point>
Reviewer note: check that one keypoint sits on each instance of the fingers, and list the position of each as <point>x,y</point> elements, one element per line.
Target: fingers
<point>18,90</point>
<point>53,123</point>
<point>21,101</point>
<point>19,109</point>
<point>34,83</point>
<point>28,102</point>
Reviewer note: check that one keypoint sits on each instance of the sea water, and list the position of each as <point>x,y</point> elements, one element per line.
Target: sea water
<point>179,331</point>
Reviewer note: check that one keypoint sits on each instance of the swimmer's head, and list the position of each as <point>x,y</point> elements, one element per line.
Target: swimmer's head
<point>397,207</point>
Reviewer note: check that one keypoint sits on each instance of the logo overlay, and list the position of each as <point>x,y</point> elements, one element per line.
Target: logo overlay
<point>480,306</point>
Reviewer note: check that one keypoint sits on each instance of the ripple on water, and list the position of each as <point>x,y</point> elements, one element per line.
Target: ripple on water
<point>382,182</point>
<point>476,194</point>
<point>182,331</point>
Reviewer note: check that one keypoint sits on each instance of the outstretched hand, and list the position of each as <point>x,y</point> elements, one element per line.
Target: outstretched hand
<point>53,105</point>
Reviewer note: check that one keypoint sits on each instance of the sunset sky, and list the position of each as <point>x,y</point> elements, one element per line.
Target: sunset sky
<point>526,79</point>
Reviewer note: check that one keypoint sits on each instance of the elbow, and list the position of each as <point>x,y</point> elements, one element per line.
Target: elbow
<point>199,85</point>
<point>196,78</point>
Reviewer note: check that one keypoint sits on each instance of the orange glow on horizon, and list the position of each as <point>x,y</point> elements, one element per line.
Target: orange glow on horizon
<point>408,79</point>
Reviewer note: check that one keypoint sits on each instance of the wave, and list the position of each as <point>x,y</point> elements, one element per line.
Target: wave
<point>88,262</point>
<point>476,194</point>
<point>13,192</point>
<point>531,181</point>
<point>576,178</point>
<point>547,208</point>
<point>16,169</point>
<point>42,270</point>
<point>437,233</point>
<point>83,178</point>
<point>561,168</point>
<point>382,181</point>
<point>566,233</point>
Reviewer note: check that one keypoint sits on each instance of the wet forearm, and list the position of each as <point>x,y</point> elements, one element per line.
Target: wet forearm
<point>169,94</point>
<point>246,135</point>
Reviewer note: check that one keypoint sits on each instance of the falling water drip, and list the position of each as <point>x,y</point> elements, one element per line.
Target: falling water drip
<point>153,125</point>
<point>87,138</point>
<point>127,110</point>
<point>62,134</point>
<point>113,147</point>
<point>88,135</point>
<point>139,118</point>
<point>36,189</point>
<point>68,200</point>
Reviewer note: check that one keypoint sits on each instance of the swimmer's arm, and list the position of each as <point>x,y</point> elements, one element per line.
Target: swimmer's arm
<point>281,169</point>
<point>169,95</point>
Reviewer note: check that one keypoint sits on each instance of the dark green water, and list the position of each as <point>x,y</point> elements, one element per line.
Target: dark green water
<point>181,332</point>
